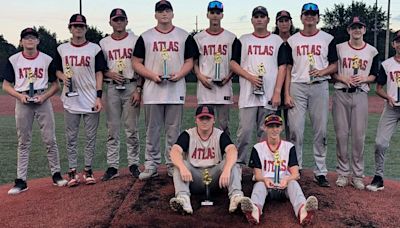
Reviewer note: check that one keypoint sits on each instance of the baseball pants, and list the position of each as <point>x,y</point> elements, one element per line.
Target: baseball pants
<point>222,116</point>
<point>197,186</point>
<point>120,111</point>
<point>158,116</point>
<point>350,119</point>
<point>293,192</point>
<point>90,124</point>
<point>24,117</point>
<point>249,119</point>
<point>386,127</point>
<point>315,99</point>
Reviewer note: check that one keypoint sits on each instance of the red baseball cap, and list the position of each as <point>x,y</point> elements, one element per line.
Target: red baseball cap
<point>356,21</point>
<point>77,19</point>
<point>283,14</point>
<point>29,31</point>
<point>163,5</point>
<point>204,110</point>
<point>115,13</point>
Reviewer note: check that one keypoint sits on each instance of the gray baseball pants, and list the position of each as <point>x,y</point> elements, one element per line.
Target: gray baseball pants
<point>120,111</point>
<point>315,99</point>
<point>350,118</point>
<point>386,127</point>
<point>158,116</point>
<point>24,117</point>
<point>90,124</point>
<point>249,119</point>
<point>293,192</point>
<point>197,186</point>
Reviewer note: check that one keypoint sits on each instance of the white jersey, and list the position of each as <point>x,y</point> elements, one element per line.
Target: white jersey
<point>23,66</point>
<point>155,41</point>
<point>204,153</point>
<point>212,46</point>
<point>259,52</point>
<point>81,60</point>
<point>390,76</point>
<point>266,157</point>
<point>120,51</point>
<point>348,55</point>
<point>318,46</point>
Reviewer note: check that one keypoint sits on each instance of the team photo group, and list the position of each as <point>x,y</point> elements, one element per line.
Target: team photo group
<point>284,76</point>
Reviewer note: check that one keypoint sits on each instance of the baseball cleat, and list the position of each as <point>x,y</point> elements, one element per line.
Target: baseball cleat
<point>58,180</point>
<point>181,204</point>
<point>88,176</point>
<point>234,202</point>
<point>307,210</point>
<point>20,186</point>
<point>147,174</point>
<point>110,173</point>
<point>135,171</point>
<point>342,181</point>
<point>73,178</point>
<point>251,211</point>
<point>376,184</point>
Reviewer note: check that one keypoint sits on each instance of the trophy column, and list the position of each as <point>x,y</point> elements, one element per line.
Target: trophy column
<point>260,74</point>
<point>120,68</point>
<point>355,64</point>
<point>69,73</point>
<point>277,168</point>
<point>311,61</point>
<point>217,75</point>
<point>207,181</point>
<point>31,77</point>
<point>165,57</point>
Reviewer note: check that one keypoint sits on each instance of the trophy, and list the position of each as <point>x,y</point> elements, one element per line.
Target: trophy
<point>120,68</point>
<point>207,181</point>
<point>165,57</point>
<point>355,64</point>
<point>398,89</point>
<point>31,77</point>
<point>217,75</point>
<point>311,61</point>
<point>69,73</point>
<point>260,74</point>
<point>277,168</point>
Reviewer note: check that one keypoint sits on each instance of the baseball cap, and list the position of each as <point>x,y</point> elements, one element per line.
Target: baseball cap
<point>260,10</point>
<point>204,110</point>
<point>272,119</point>
<point>310,7</point>
<point>282,14</point>
<point>356,21</point>
<point>29,31</point>
<point>397,36</point>
<point>77,19</point>
<point>115,13</point>
<point>163,5</point>
<point>215,5</point>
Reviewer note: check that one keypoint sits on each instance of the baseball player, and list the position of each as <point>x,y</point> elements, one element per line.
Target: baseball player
<point>205,147</point>
<point>357,67</point>
<point>123,95</point>
<point>314,59</point>
<point>214,85</point>
<point>163,55</point>
<point>389,75</point>
<point>80,65</point>
<point>259,58</point>
<point>276,172</point>
<point>31,71</point>
<point>284,29</point>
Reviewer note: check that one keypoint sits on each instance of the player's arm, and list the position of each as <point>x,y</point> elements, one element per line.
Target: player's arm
<point>293,169</point>
<point>381,81</point>
<point>282,63</point>
<point>60,71</point>
<point>333,62</point>
<point>190,53</point>
<point>205,80</point>
<point>177,156</point>
<point>255,164</point>
<point>9,79</point>
<point>100,66</point>
<point>372,74</point>
<point>138,62</point>
<point>226,145</point>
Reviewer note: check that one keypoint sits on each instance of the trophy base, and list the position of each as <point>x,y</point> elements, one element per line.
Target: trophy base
<point>72,94</point>
<point>165,77</point>
<point>207,203</point>
<point>120,87</point>
<point>397,104</point>
<point>258,92</point>
<point>32,99</point>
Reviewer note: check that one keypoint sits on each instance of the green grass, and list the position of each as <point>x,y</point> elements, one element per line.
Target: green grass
<point>191,88</point>
<point>38,166</point>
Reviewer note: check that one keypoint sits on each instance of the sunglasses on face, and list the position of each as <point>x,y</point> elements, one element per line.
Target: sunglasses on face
<point>283,20</point>
<point>259,16</point>
<point>79,26</point>
<point>310,13</point>
<point>117,19</point>
<point>29,37</point>
<point>310,6</point>
<point>215,12</point>
<point>204,118</point>
<point>215,5</point>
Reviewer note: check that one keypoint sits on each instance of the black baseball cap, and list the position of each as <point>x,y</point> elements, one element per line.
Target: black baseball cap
<point>29,31</point>
<point>115,13</point>
<point>283,14</point>
<point>204,110</point>
<point>260,10</point>
<point>273,119</point>
<point>77,19</point>
<point>310,7</point>
<point>163,5</point>
<point>356,21</point>
<point>397,36</point>
<point>215,5</point>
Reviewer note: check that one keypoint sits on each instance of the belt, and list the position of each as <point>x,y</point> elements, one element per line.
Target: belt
<point>126,81</point>
<point>36,91</point>
<point>350,90</point>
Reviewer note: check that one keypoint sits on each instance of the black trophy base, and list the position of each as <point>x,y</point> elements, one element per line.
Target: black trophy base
<point>397,104</point>
<point>165,77</point>
<point>258,92</point>
<point>207,203</point>
<point>72,94</point>
<point>217,82</point>
<point>120,87</point>
<point>32,99</point>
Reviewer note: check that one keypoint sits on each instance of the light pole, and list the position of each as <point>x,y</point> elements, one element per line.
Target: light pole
<point>80,7</point>
<point>376,25</point>
<point>387,43</point>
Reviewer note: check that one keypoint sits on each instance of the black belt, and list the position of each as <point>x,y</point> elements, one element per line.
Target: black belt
<point>316,82</point>
<point>350,90</point>
<point>34,91</point>
<point>126,81</point>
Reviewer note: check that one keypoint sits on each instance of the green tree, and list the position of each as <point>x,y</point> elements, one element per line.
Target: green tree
<point>94,35</point>
<point>6,50</point>
<point>48,41</point>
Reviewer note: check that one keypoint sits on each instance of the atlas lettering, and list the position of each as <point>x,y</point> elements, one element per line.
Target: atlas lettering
<point>394,75</point>
<point>158,46</point>
<point>260,50</point>
<point>270,167</point>
<point>304,50</point>
<point>124,53</point>
<point>77,61</point>
<point>23,72</point>
<point>348,62</point>
<point>211,49</point>
<point>203,153</point>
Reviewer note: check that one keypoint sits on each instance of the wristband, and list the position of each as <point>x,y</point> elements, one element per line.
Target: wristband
<point>99,93</point>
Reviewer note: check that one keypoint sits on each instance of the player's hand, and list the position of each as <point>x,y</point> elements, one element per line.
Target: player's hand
<point>119,78</point>
<point>289,101</point>
<point>224,179</point>
<point>345,80</point>
<point>391,102</point>
<point>269,183</point>
<point>276,100</point>
<point>174,78</point>
<point>66,81</point>
<point>98,105</point>
<point>205,81</point>
<point>256,81</point>
<point>283,183</point>
<point>136,98</point>
<point>156,78</point>
<point>186,175</point>
<point>40,99</point>
<point>315,73</point>
<point>358,79</point>
<point>225,80</point>
<point>23,98</point>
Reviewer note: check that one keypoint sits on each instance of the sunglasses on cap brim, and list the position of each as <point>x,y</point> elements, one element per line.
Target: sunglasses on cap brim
<point>273,119</point>
<point>310,6</point>
<point>215,5</point>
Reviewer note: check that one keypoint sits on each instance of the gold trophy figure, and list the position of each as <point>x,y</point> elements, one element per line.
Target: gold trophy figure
<point>397,78</point>
<point>311,61</point>
<point>32,78</point>
<point>218,61</point>
<point>207,181</point>
<point>165,57</point>
<point>69,73</point>
<point>277,168</point>
<point>120,65</point>
<point>355,64</point>
<point>260,74</point>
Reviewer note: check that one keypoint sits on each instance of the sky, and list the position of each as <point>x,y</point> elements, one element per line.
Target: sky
<point>16,15</point>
